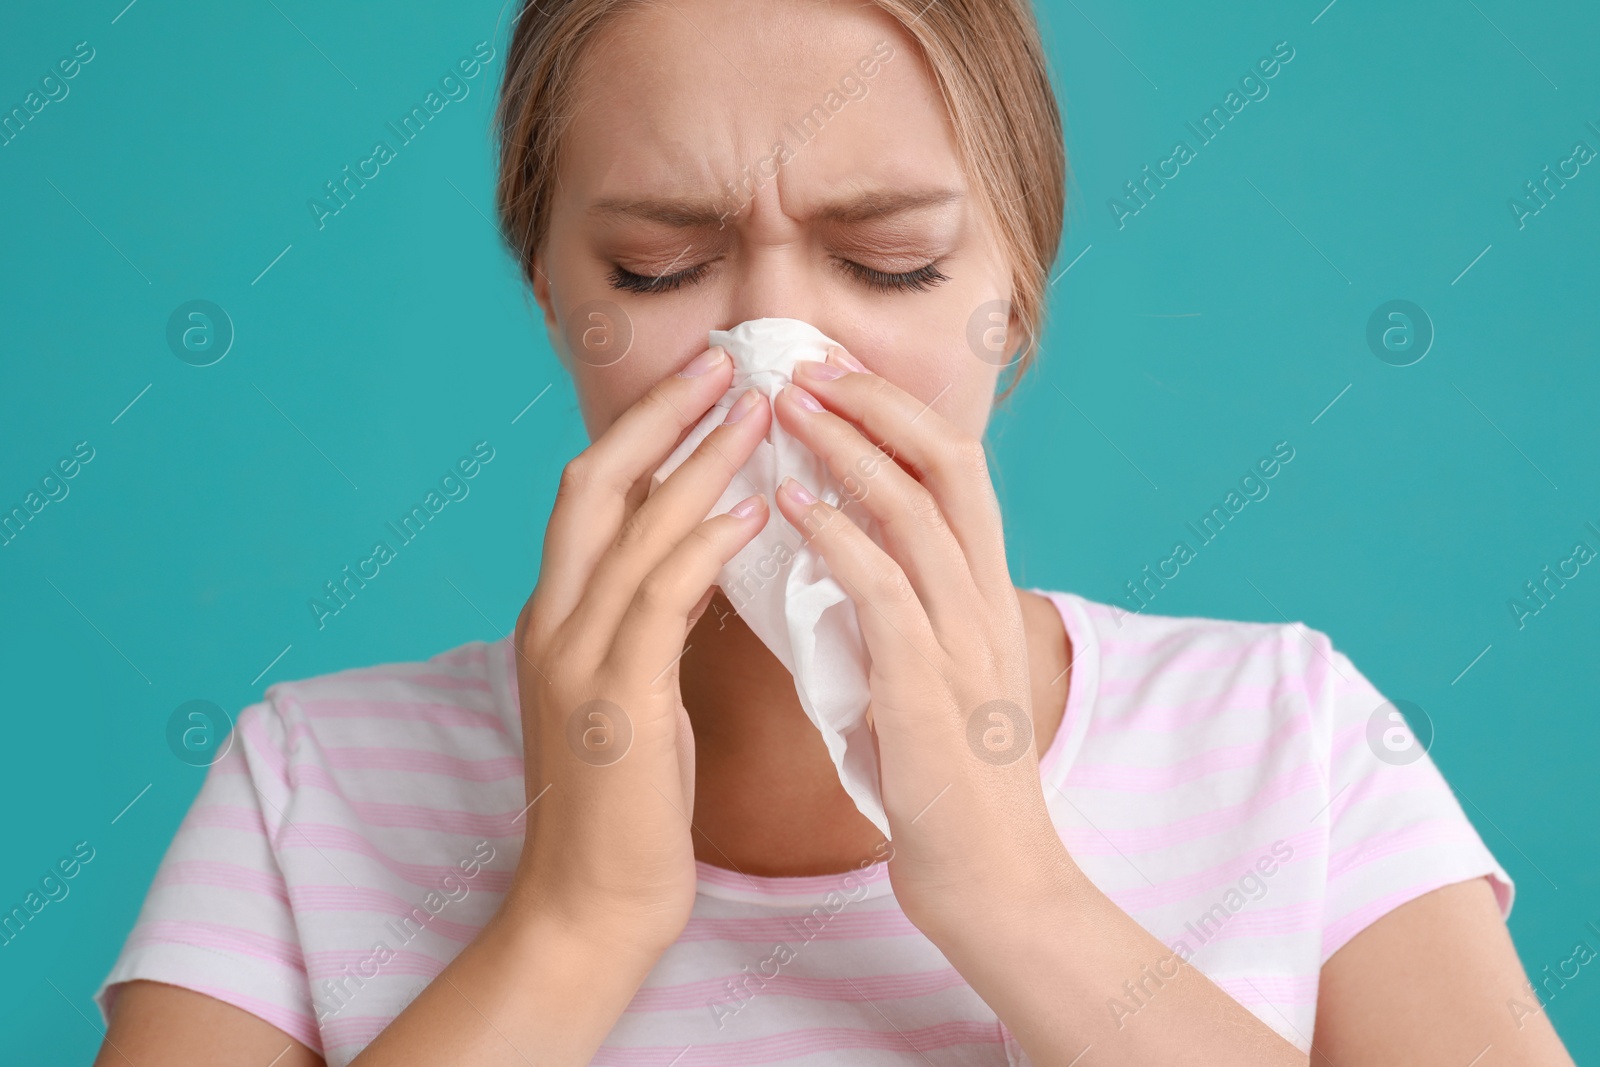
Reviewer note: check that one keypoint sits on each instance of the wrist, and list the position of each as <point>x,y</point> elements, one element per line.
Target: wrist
<point>1005,903</point>
<point>540,923</point>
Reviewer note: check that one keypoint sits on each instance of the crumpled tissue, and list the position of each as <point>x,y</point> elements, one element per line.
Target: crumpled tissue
<point>780,585</point>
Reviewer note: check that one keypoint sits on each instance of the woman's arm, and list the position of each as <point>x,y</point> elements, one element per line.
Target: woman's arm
<point>978,865</point>
<point>525,990</point>
<point>606,878</point>
<point>1052,960</point>
<point>152,1022</point>
<point>1436,981</point>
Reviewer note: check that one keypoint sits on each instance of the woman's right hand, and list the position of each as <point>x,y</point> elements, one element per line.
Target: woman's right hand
<point>608,750</point>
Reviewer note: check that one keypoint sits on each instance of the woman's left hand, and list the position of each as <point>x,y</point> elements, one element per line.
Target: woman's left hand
<point>951,696</point>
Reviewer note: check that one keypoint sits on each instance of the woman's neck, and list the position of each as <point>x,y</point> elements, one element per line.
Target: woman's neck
<point>767,798</point>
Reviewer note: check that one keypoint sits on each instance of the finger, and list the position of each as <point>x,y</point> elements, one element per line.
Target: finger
<point>699,609</point>
<point>649,637</point>
<point>592,499</point>
<point>682,502</point>
<point>897,631</point>
<point>913,527</point>
<point>952,465</point>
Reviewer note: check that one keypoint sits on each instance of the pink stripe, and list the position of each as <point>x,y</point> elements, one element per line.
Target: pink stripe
<point>336,898</point>
<point>1183,637</point>
<point>1130,778</point>
<point>419,761</point>
<point>796,1043</point>
<point>1106,841</point>
<point>359,1031</point>
<point>319,836</point>
<point>227,817</point>
<point>222,876</point>
<point>219,936</point>
<point>1405,839</point>
<point>406,816</point>
<point>334,962</point>
<point>1306,845</point>
<point>1165,716</point>
<point>1379,792</point>
<point>263,748</point>
<point>389,674</point>
<point>1156,688</point>
<point>413,710</point>
<point>844,925</point>
<point>877,987</point>
<point>1249,921</point>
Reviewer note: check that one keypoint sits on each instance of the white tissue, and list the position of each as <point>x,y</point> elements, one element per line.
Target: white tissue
<point>780,586</point>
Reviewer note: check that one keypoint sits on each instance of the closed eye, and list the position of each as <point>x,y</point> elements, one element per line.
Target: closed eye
<point>919,280</point>
<point>630,282</point>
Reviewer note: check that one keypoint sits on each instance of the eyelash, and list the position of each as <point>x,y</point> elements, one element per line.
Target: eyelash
<point>919,280</point>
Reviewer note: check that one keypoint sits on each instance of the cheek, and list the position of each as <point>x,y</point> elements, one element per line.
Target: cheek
<point>970,410</point>
<point>605,392</point>
<point>939,370</point>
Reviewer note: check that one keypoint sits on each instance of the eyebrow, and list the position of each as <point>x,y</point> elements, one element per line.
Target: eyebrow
<point>702,213</point>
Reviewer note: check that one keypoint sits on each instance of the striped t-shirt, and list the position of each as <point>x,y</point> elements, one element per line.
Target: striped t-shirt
<point>1240,789</point>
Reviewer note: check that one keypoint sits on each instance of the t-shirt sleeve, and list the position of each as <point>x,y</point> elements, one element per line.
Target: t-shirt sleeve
<point>217,918</point>
<point>1395,828</point>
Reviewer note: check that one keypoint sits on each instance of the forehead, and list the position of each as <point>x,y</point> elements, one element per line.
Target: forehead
<point>692,97</point>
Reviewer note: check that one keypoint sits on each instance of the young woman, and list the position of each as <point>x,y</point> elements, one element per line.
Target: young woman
<point>1194,855</point>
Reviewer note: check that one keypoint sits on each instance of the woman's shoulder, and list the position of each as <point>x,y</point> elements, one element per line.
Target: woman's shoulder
<point>376,802</point>
<point>449,721</point>
<point>466,688</point>
<point>1230,710</point>
<point>1209,743</point>
<point>1145,659</point>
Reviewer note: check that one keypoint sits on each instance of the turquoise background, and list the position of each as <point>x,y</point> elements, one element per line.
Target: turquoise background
<point>1224,317</point>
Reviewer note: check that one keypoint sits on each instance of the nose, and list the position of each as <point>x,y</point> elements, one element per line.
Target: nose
<point>776,283</point>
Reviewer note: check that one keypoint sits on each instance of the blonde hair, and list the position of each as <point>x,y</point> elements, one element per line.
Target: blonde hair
<point>985,56</point>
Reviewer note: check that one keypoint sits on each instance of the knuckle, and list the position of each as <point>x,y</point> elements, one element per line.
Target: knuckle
<point>966,456</point>
<point>890,585</point>
<point>527,638</point>
<point>576,476</point>
<point>635,529</point>
<point>654,594</point>
<point>818,522</point>
<point>925,510</point>
<point>700,542</point>
<point>657,403</point>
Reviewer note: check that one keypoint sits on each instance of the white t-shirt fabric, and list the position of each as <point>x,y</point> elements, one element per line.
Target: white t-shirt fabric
<point>1230,785</point>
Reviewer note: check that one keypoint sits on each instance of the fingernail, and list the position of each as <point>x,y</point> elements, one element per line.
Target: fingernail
<point>812,369</point>
<point>797,492</point>
<point>741,407</point>
<point>804,399</point>
<point>711,357</point>
<point>746,507</point>
<point>845,359</point>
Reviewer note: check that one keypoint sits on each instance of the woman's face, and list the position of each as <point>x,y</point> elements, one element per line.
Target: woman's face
<point>767,158</point>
